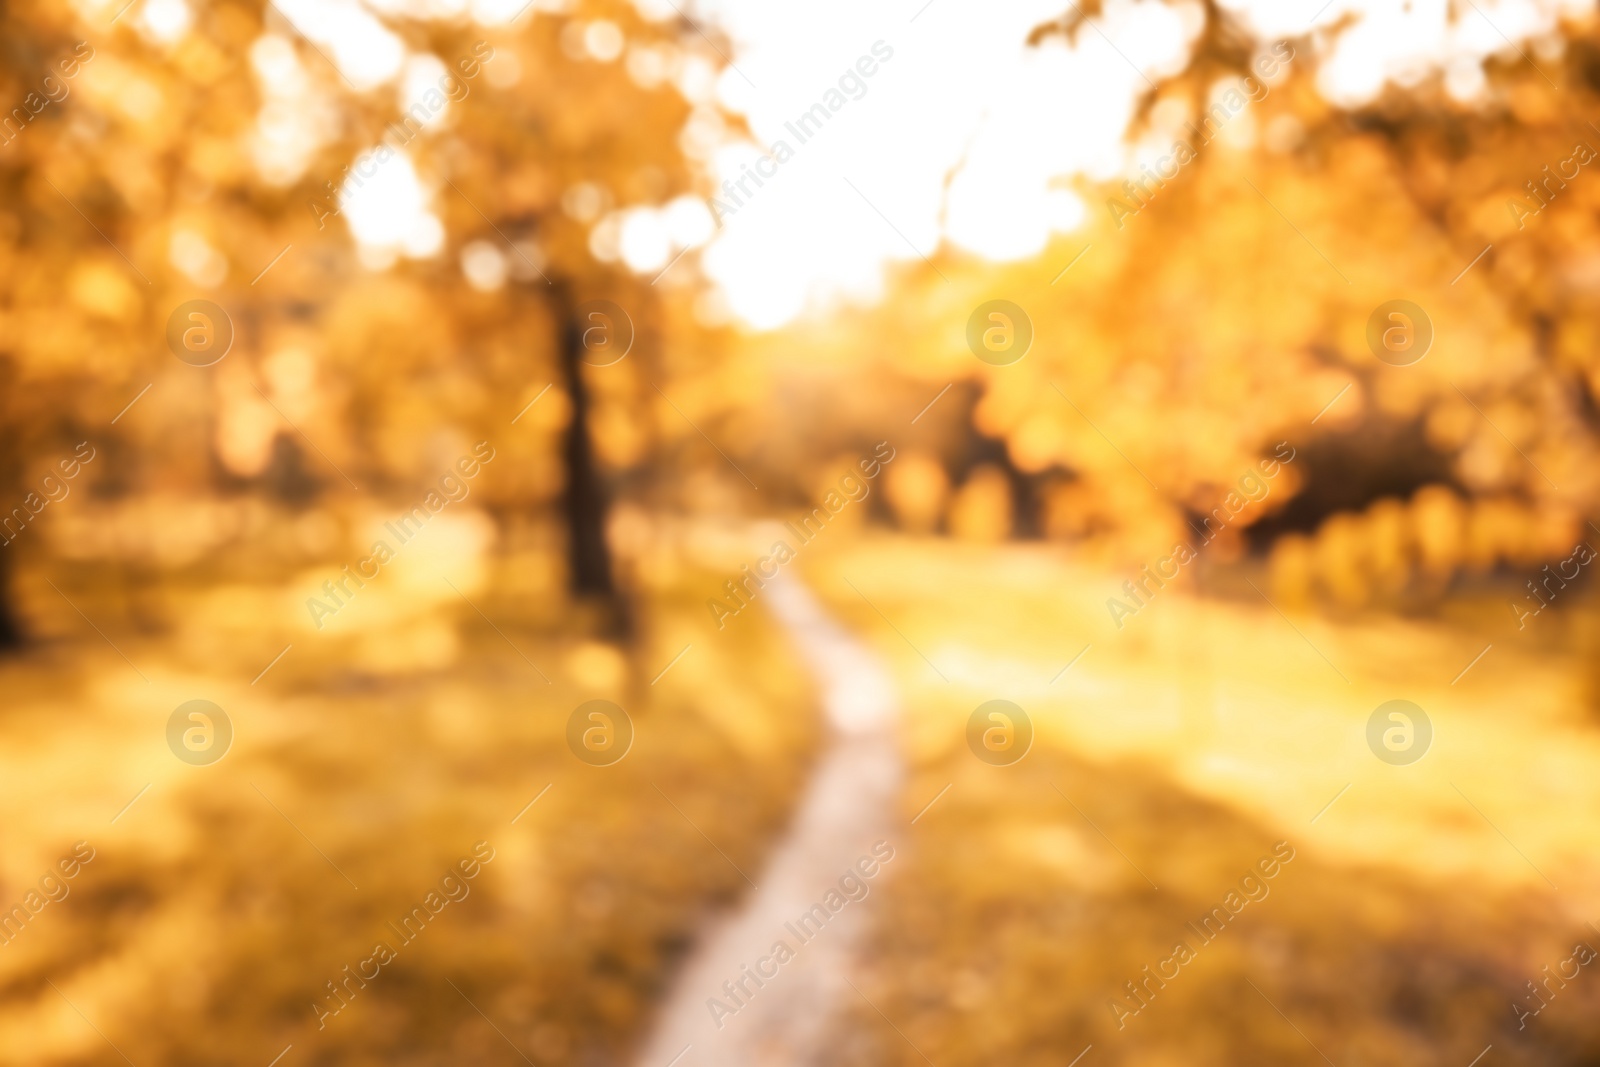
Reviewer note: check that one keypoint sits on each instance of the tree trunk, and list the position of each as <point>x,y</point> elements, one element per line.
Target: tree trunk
<point>10,629</point>
<point>11,635</point>
<point>584,505</point>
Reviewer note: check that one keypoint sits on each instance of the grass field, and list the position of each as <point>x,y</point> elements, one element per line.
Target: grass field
<point>219,904</point>
<point>1174,754</point>
<point>1170,758</point>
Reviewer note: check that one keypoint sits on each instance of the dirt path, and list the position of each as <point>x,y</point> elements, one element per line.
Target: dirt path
<point>781,1019</point>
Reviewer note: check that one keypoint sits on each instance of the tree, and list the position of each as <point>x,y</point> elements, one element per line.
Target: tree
<point>1224,303</point>
<point>223,161</point>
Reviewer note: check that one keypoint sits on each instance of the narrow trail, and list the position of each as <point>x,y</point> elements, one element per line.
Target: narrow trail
<point>846,807</point>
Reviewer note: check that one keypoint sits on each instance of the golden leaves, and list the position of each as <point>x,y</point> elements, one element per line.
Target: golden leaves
<point>101,287</point>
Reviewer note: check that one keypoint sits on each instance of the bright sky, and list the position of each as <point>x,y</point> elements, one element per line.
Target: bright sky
<point>964,99</point>
<point>961,135</point>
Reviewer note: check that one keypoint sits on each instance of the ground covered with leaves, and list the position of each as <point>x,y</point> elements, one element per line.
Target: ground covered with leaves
<point>1168,761</point>
<point>221,903</point>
